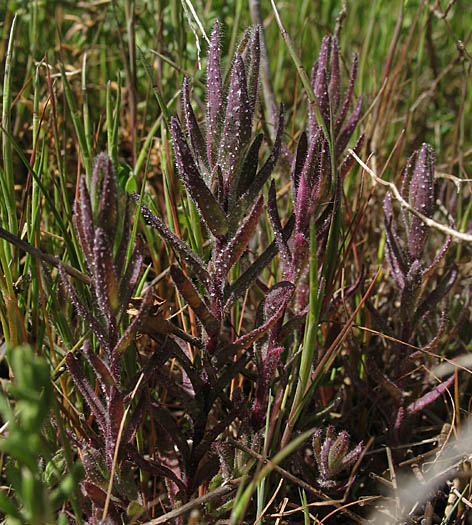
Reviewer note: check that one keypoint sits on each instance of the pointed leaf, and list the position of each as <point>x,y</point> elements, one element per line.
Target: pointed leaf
<point>215,96</point>
<point>433,298</point>
<point>101,370</point>
<point>200,193</point>
<point>197,142</point>
<point>248,171</point>
<point>191,295</point>
<point>131,277</point>
<point>86,219</point>
<point>421,198</point>
<point>105,283</point>
<point>248,339</point>
<point>320,87</point>
<point>82,310</point>
<point>189,257</point>
<point>237,245</point>
<point>347,97</point>
<point>108,205</point>
<point>95,405</point>
<point>253,74</point>
<point>285,256</point>
<point>334,88</point>
<point>237,125</point>
<point>429,397</point>
<point>245,280</point>
<point>298,163</point>
<point>260,179</point>
<point>130,332</point>
<point>348,130</point>
<point>349,160</point>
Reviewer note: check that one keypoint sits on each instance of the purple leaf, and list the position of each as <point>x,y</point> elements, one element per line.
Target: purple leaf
<point>101,370</point>
<point>429,398</point>
<point>244,281</point>
<point>152,467</point>
<point>334,87</point>
<point>298,163</point>
<point>348,130</point>
<point>189,257</point>
<point>197,142</point>
<point>107,209</point>
<point>191,295</point>
<point>106,283</point>
<point>237,125</point>
<point>86,390</point>
<point>200,193</point>
<point>433,298</point>
<point>260,179</point>
<point>114,416</point>
<point>395,257</point>
<point>278,230</point>
<point>347,97</point>
<point>411,289</point>
<point>134,421</point>
<point>130,278</point>
<point>83,312</point>
<point>253,74</point>
<point>349,160</point>
<point>337,452</point>
<point>163,418</point>
<point>215,96</point>
<point>247,173</point>
<point>421,198</point>
<point>320,86</point>
<point>85,221</point>
<point>301,250</point>
<point>283,295</point>
<point>237,245</point>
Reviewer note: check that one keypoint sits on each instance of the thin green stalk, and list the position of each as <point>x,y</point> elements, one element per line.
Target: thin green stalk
<point>78,126</point>
<point>85,107</point>
<point>113,122</point>
<point>7,176</point>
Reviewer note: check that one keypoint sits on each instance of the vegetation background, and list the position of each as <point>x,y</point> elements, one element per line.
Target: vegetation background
<point>84,77</point>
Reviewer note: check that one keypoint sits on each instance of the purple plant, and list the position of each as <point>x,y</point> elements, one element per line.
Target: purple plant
<point>332,456</point>
<point>219,170</point>
<point>406,254</point>
<point>101,220</point>
<point>315,188</point>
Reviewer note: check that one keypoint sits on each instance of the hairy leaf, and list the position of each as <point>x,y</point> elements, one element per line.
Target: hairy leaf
<point>200,193</point>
